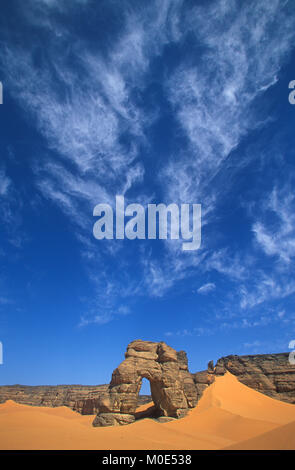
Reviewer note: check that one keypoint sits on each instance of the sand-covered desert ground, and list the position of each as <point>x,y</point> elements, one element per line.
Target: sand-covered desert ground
<point>228,416</point>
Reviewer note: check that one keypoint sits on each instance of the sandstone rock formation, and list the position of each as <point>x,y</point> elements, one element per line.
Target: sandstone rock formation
<point>271,374</point>
<point>73,396</point>
<point>172,386</point>
<point>204,378</point>
<point>80,398</point>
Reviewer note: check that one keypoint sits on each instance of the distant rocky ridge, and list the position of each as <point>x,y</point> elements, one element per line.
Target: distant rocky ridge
<point>51,395</point>
<point>80,398</point>
<point>271,374</point>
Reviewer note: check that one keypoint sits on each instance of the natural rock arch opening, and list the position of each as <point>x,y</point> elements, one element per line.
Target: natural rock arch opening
<point>145,406</point>
<point>145,388</point>
<point>172,387</point>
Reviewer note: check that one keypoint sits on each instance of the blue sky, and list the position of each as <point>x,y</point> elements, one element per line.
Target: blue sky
<point>172,101</point>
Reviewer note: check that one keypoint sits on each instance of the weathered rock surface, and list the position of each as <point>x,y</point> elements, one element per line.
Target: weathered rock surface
<point>271,374</point>
<point>73,396</point>
<point>80,398</point>
<point>172,386</point>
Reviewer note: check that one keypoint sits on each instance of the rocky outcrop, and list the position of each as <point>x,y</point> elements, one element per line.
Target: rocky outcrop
<point>80,398</point>
<point>204,378</point>
<point>172,386</point>
<point>90,406</point>
<point>72,396</point>
<point>271,374</point>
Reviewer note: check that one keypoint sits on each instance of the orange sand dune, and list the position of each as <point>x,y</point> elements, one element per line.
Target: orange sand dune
<point>281,438</point>
<point>229,415</point>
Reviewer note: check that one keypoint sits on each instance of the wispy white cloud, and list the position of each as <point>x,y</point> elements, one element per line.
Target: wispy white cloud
<point>267,287</point>
<point>206,288</point>
<point>160,275</point>
<point>11,211</point>
<point>87,105</point>
<point>84,124</point>
<point>241,51</point>
<point>276,236</point>
<point>84,111</point>
<point>4,183</point>
<point>239,321</point>
<point>196,331</point>
<point>253,345</point>
<point>106,316</point>
<point>228,264</point>
<point>56,4</point>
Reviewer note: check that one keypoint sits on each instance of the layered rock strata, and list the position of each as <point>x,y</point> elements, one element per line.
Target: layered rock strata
<point>271,374</point>
<point>172,386</point>
<point>72,396</point>
<point>80,398</point>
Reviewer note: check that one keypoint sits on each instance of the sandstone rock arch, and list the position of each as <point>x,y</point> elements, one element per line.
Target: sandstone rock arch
<point>172,386</point>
